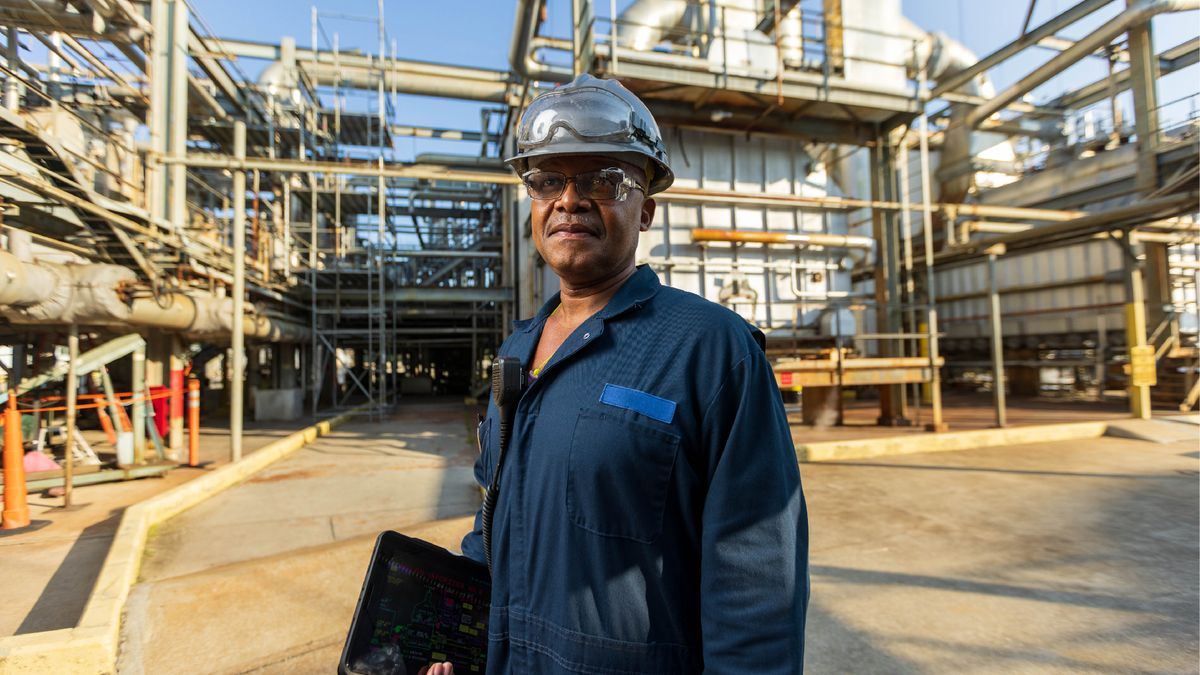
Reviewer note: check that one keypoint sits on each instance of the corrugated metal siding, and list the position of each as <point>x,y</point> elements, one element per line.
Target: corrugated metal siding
<point>727,162</point>
<point>1074,308</point>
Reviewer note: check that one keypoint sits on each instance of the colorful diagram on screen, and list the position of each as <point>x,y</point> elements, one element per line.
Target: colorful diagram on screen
<point>419,616</point>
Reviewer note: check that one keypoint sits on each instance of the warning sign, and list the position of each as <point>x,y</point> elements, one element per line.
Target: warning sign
<point>1141,366</point>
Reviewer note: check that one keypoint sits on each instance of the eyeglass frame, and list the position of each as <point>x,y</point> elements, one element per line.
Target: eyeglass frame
<point>623,187</point>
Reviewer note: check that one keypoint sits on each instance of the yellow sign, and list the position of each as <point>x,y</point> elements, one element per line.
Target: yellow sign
<point>1142,367</point>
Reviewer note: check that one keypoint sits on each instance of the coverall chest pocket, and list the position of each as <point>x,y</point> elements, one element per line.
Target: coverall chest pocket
<point>618,474</point>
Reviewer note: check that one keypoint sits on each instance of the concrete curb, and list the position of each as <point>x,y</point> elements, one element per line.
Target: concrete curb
<point>865,448</point>
<point>91,646</point>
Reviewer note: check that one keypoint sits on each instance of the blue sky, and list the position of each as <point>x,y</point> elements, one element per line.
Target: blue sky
<point>477,33</point>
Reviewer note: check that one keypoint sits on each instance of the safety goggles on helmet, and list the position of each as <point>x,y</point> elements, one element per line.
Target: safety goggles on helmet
<point>611,184</point>
<point>589,114</point>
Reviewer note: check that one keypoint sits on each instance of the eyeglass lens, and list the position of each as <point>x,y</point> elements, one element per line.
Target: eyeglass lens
<point>590,185</point>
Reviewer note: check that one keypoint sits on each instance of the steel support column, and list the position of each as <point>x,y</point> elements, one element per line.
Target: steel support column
<point>72,396</point>
<point>892,408</point>
<point>998,381</point>
<point>238,340</point>
<point>1143,70</point>
<point>1135,326</point>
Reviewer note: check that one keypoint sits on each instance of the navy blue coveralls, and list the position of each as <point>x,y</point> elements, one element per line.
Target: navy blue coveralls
<point>650,517</point>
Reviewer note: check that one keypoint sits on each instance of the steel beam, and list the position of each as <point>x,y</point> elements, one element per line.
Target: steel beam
<point>411,294</point>
<point>1027,39</point>
<point>1138,13</point>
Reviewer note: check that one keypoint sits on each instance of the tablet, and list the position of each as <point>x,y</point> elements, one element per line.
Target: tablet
<point>420,604</point>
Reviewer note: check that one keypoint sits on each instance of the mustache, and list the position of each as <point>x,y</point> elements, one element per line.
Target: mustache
<point>572,225</point>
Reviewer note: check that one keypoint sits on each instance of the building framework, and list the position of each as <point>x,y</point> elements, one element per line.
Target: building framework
<point>850,183</point>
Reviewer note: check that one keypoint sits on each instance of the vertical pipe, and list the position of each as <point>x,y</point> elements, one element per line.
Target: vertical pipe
<point>193,404</point>
<point>72,395</point>
<point>287,227</point>
<point>612,37</point>
<point>314,361</point>
<point>238,341</point>
<point>1101,356</point>
<point>935,384</point>
<point>16,499</point>
<point>383,314</point>
<point>139,405</point>
<point>12,88</point>
<point>998,383</point>
<point>1135,329</point>
<point>175,412</point>
<point>177,131</point>
<point>909,294</point>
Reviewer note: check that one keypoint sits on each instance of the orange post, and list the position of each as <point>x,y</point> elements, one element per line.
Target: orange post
<point>107,425</point>
<point>193,405</point>
<point>16,500</point>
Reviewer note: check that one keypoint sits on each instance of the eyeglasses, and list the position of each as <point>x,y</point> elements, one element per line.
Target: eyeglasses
<point>610,184</point>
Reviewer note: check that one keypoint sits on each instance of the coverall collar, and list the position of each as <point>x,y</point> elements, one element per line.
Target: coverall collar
<point>636,290</point>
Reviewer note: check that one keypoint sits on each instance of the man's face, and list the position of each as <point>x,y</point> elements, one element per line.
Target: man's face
<point>587,241</point>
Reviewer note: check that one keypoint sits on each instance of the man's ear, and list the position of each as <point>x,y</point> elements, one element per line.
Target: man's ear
<point>647,217</point>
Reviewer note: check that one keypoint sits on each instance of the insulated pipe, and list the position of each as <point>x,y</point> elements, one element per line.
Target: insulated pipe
<point>49,293</point>
<point>24,284</point>
<point>1138,13</point>
<point>784,238</point>
<point>520,56</point>
<point>459,160</point>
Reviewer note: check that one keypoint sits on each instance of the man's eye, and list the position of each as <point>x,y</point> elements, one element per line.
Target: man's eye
<point>601,182</point>
<point>548,182</point>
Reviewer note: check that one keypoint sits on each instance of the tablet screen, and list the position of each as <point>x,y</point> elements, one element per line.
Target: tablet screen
<point>421,604</point>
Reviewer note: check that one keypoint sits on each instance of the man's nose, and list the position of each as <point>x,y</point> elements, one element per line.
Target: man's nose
<point>570,201</point>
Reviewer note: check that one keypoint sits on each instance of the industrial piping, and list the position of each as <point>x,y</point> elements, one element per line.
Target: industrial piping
<point>520,57</point>
<point>52,293</point>
<point>785,238</point>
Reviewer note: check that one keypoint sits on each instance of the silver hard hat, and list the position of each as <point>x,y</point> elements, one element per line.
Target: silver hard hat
<point>592,116</point>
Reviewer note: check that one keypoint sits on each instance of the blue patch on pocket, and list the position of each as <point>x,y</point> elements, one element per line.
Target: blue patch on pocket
<point>640,402</point>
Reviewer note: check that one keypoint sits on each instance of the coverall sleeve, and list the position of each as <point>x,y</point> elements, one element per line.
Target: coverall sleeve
<point>754,535</point>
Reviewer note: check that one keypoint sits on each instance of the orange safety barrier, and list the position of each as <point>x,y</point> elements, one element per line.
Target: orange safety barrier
<point>16,506</point>
<point>101,401</point>
<point>193,404</point>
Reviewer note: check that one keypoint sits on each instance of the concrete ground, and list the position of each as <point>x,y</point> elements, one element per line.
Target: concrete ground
<point>1064,557</point>
<point>51,566</point>
<point>1060,557</point>
<point>266,574</point>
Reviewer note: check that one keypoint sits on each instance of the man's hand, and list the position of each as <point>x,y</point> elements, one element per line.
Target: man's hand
<point>437,669</point>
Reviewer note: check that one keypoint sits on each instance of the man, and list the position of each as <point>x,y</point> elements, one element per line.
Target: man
<point>651,518</point>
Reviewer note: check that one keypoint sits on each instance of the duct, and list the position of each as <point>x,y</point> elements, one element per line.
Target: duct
<point>520,55</point>
<point>1138,13</point>
<point>52,293</point>
<point>645,23</point>
<point>944,58</point>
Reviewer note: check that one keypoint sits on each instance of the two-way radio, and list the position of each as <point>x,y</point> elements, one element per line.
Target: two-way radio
<point>508,379</point>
